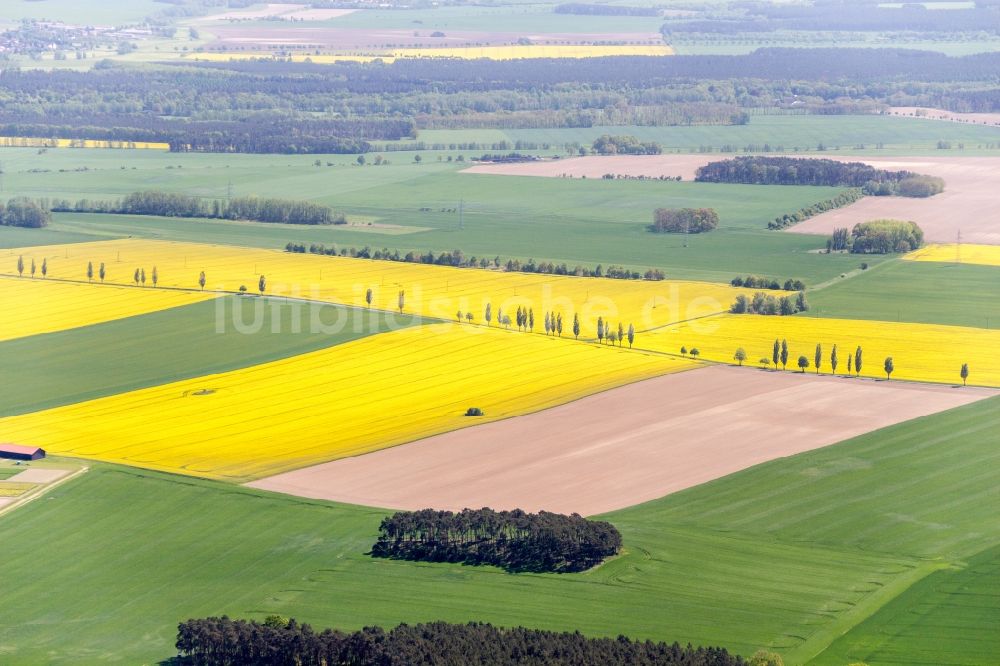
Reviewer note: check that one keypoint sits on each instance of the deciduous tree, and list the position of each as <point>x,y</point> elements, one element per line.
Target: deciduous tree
<point>803,363</point>
<point>740,355</point>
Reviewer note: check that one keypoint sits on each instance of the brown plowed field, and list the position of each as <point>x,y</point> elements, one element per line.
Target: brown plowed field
<point>968,203</point>
<point>624,446</point>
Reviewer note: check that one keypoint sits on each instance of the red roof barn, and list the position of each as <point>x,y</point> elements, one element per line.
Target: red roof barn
<point>17,452</point>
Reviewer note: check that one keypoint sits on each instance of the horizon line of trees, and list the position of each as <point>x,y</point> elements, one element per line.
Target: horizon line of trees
<point>278,641</point>
<point>458,259</point>
<point>172,204</point>
<point>766,304</point>
<point>513,540</point>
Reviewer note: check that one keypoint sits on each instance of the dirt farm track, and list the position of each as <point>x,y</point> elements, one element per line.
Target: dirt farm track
<point>968,203</point>
<point>624,446</point>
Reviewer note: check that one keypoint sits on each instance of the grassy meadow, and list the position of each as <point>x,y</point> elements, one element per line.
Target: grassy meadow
<point>828,543</point>
<point>838,134</point>
<point>916,291</point>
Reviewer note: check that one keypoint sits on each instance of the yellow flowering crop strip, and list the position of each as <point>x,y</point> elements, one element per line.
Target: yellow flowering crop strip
<point>38,142</point>
<point>433,291</point>
<point>966,253</point>
<point>920,352</point>
<point>33,306</point>
<point>342,401</point>
<point>512,52</point>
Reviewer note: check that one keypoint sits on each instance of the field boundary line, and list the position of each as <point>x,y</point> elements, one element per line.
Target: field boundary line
<point>852,274</point>
<point>865,609</point>
<point>45,489</point>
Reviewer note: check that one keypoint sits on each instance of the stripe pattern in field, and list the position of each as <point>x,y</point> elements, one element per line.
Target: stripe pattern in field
<point>342,401</point>
<point>34,306</point>
<point>433,291</point>
<point>920,352</point>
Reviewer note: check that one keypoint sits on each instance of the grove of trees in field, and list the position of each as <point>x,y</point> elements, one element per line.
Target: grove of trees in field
<point>877,237</point>
<point>221,641</point>
<point>776,170</point>
<point>513,540</point>
<point>625,145</point>
<point>684,220</point>
<point>24,212</point>
<point>767,304</point>
<point>172,204</point>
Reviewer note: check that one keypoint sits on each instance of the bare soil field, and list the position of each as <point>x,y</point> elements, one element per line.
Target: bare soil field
<point>318,14</point>
<point>968,203</point>
<point>622,447</point>
<point>282,34</point>
<point>39,475</point>
<point>268,11</point>
<point>940,114</point>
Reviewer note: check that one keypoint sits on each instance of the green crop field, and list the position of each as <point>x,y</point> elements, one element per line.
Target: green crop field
<point>169,345</point>
<point>917,291</point>
<point>791,554</point>
<point>851,135</point>
<point>900,135</point>
<point>563,220</point>
<point>923,625</point>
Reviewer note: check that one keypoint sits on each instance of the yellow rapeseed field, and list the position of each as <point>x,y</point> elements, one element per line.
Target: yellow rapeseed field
<point>434,291</point>
<point>512,52</point>
<point>922,352</point>
<point>966,253</point>
<point>37,142</point>
<point>33,306</point>
<point>342,401</point>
